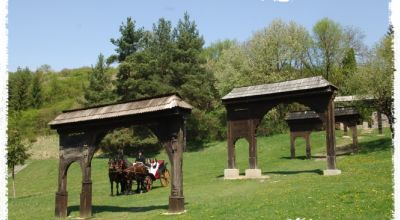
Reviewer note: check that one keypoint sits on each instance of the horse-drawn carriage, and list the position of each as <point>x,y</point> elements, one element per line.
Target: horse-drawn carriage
<point>157,170</point>
<point>123,173</point>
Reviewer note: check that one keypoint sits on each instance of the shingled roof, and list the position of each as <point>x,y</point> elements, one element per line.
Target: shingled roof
<point>351,98</point>
<point>135,107</point>
<point>342,111</point>
<point>280,87</point>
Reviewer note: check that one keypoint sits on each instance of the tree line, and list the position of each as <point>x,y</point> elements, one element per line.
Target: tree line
<point>171,58</point>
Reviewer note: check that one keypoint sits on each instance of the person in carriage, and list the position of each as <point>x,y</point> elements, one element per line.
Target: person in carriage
<point>140,158</point>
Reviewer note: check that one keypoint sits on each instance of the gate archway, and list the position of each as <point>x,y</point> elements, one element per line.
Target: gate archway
<point>246,106</point>
<point>81,130</point>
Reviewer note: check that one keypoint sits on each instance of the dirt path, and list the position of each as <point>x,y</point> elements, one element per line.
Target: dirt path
<point>18,168</point>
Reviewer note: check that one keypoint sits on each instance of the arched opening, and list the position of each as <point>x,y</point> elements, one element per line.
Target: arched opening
<point>273,123</point>
<point>129,141</point>
<point>81,130</point>
<point>246,107</point>
<point>241,147</point>
<point>73,175</point>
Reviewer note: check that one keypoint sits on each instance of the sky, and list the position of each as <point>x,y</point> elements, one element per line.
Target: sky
<point>72,33</point>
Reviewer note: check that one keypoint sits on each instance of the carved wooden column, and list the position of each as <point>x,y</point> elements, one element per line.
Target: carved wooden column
<point>61,201</point>
<point>171,136</point>
<point>292,146</point>
<point>345,132</point>
<point>330,139</point>
<point>308,145</point>
<point>355,137</point>
<point>252,144</point>
<point>231,148</point>
<point>379,117</point>
<point>86,193</point>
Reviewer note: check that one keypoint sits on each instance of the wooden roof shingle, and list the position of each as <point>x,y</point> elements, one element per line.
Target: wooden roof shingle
<point>280,87</point>
<point>134,107</point>
<point>342,111</point>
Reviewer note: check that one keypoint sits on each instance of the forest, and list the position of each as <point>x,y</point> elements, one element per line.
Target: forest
<point>174,58</point>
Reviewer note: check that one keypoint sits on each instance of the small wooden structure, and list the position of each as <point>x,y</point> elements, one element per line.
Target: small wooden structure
<point>81,130</point>
<point>246,106</point>
<point>368,100</point>
<point>302,123</point>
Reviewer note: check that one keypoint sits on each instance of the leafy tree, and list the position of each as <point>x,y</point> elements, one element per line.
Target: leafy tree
<point>328,35</point>
<point>36,90</point>
<point>375,78</point>
<point>215,50</point>
<point>100,88</point>
<point>17,153</point>
<point>45,68</point>
<point>131,41</point>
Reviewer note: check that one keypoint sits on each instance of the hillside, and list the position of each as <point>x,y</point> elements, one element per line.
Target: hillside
<point>295,189</point>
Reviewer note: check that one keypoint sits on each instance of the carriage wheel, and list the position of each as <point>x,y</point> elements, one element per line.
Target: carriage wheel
<point>165,177</point>
<point>148,183</point>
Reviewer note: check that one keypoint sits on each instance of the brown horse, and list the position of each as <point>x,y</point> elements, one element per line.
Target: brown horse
<point>115,174</point>
<point>138,172</point>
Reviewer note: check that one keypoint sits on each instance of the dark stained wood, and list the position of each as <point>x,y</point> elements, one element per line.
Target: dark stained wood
<point>379,116</point>
<point>81,134</point>
<point>301,124</point>
<point>247,106</point>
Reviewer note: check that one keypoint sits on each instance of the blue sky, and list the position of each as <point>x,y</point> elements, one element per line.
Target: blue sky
<point>71,33</point>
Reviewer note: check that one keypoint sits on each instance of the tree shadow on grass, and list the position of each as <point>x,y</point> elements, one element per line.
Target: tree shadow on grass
<point>108,208</point>
<point>290,172</point>
<point>375,145</point>
<point>195,146</point>
<point>302,157</point>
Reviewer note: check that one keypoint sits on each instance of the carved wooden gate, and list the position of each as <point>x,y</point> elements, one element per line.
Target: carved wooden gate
<point>302,123</point>
<point>81,130</point>
<point>246,106</point>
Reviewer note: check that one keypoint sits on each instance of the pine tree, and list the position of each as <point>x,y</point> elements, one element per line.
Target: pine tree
<point>19,83</point>
<point>131,40</point>
<point>349,68</point>
<point>349,63</point>
<point>99,90</point>
<point>36,90</point>
<point>189,74</point>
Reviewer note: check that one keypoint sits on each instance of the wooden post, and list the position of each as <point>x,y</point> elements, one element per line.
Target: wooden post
<point>61,201</point>
<point>292,146</point>
<point>170,134</point>
<point>176,199</point>
<point>345,133</point>
<point>252,145</point>
<point>231,148</point>
<point>308,146</point>
<point>355,138</point>
<point>379,114</point>
<point>330,135</point>
<point>86,193</point>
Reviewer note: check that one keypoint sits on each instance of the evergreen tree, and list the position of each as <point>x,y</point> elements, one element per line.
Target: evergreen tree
<point>189,74</point>
<point>131,40</point>
<point>349,63</point>
<point>36,90</point>
<point>99,90</point>
<point>348,69</point>
<point>19,97</point>
<point>17,153</point>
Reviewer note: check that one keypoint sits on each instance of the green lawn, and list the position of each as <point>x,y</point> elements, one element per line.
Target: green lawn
<point>295,189</point>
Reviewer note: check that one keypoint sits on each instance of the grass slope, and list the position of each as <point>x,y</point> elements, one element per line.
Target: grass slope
<point>295,188</point>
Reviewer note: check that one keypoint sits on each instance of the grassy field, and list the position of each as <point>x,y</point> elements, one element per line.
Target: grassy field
<point>295,189</point>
